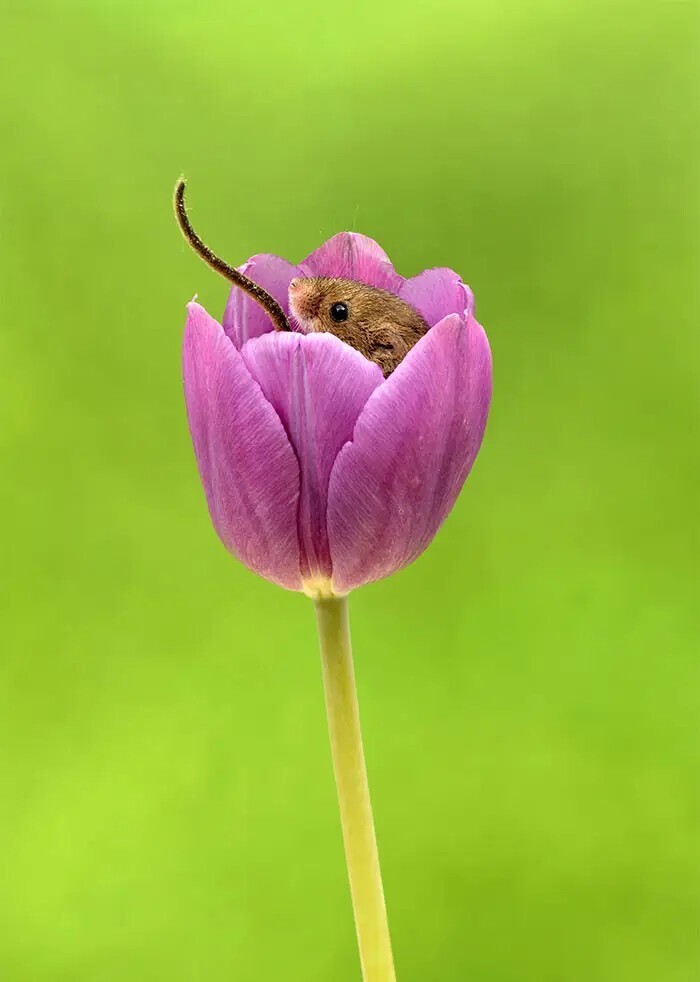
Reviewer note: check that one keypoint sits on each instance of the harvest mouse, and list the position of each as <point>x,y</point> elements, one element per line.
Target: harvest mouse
<point>377,324</point>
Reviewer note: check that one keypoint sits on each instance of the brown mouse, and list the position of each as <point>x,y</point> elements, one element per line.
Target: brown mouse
<point>378,324</point>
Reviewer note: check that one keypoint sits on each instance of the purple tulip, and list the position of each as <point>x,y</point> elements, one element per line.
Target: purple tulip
<point>320,474</point>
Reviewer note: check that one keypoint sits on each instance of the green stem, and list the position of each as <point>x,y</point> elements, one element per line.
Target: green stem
<point>353,791</point>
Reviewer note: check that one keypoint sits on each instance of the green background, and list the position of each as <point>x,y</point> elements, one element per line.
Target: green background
<point>528,687</point>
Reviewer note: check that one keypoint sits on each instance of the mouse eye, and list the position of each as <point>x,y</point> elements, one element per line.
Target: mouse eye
<point>339,312</point>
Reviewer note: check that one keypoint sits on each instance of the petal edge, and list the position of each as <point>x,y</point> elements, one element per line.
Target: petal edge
<point>318,386</point>
<point>247,465</point>
<point>413,446</point>
<point>354,257</point>
<point>244,318</point>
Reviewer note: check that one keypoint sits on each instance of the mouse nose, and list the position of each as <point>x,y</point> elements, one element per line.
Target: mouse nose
<point>302,302</point>
<point>296,298</point>
<point>299,296</point>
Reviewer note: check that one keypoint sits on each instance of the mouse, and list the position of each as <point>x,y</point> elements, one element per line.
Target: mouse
<point>376,323</point>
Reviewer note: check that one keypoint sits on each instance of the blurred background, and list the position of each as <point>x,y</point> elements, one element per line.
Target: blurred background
<point>529,687</point>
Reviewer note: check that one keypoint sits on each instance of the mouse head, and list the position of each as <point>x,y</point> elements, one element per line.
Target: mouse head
<point>378,324</point>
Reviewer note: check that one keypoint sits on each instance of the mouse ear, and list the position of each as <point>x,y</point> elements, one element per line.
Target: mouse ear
<point>388,347</point>
<point>388,335</point>
<point>256,292</point>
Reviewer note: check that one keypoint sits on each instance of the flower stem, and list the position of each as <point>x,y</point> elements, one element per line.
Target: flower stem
<point>353,791</point>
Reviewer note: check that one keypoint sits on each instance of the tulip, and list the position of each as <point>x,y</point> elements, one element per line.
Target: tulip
<point>322,475</point>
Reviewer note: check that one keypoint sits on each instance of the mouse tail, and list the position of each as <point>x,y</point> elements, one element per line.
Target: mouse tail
<point>255,292</point>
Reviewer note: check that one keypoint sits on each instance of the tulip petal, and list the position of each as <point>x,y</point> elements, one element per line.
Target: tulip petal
<point>435,293</point>
<point>354,257</point>
<point>244,318</point>
<point>247,465</point>
<point>413,447</point>
<point>318,386</point>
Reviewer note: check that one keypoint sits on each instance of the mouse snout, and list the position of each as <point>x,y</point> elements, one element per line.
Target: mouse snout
<point>301,298</point>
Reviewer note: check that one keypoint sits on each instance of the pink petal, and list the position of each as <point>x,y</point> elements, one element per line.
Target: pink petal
<point>247,465</point>
<point>243,317</point>
<point>435,293</point>
<point>318,386</point>
<point>413,447</point>
<point>353,257</point>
